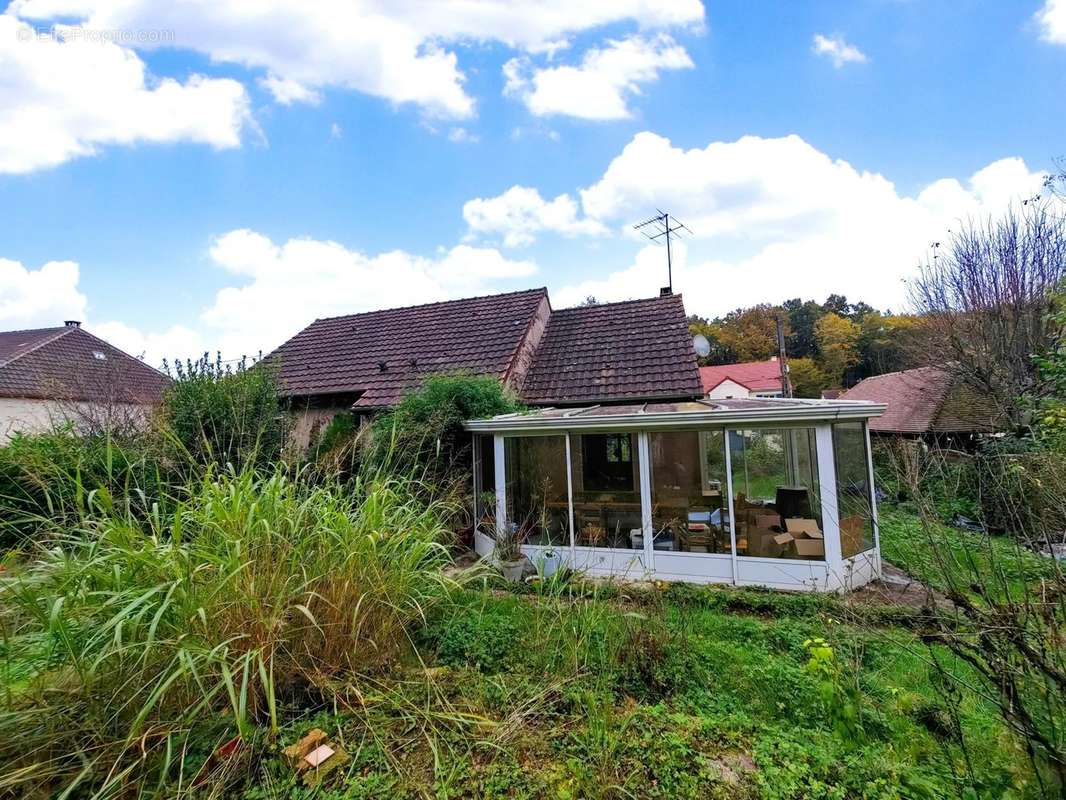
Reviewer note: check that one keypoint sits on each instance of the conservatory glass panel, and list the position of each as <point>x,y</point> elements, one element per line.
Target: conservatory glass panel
<point>690,507</point>
<point>777,504</point>
<point>854,506</point>
<point>606,490</point>
<point>537,498</point>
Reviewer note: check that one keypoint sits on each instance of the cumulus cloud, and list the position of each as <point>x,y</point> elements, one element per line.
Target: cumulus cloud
<point>600,86</point>
<point>520,213</point>
<point>389,49</point>
<point>65,94</point>
<point>1052,21</point>
<point>837,50</point>
<point>39,298</point>
<point>779,213</point>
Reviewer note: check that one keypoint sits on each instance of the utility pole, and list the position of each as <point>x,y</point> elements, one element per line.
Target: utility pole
<point>663,227</point>
<point>782,359</point>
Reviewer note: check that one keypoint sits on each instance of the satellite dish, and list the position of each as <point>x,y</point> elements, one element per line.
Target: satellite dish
<point>701,345</point>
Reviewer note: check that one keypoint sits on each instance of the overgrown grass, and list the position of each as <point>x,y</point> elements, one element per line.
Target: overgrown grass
<point>948,558</point>
<point>582,694</point>
<point>131,640</point>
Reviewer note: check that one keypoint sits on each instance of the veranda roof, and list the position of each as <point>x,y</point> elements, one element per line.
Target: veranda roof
<point>645,416</point>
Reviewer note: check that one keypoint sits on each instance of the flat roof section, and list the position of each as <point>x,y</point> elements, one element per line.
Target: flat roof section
<point>691,413</point>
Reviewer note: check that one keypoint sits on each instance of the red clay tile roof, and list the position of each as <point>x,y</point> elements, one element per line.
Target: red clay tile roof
<point>925,400</point>
<point>69,363</point>
<point>344,355</point>
<point>636,350</point>
<point>755,376</point>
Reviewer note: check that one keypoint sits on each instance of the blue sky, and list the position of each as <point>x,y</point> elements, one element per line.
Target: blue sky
<point>204,176</point>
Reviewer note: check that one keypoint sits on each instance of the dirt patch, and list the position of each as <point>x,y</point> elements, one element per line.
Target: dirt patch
<point>897,588</point>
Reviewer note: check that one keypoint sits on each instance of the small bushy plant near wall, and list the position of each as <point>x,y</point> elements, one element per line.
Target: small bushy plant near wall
<point>217,413</point>
<point>424,434</point>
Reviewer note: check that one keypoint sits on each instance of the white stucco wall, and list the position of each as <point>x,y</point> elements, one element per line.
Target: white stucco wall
<point>727,388</point>
<point>27,415</point>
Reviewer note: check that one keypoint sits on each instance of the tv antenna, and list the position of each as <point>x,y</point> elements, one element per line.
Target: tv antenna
<point>661,226</point>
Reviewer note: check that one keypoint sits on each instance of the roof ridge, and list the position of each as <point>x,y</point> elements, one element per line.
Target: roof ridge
<point>941,367</point>
<point>60,333</point>
<point>620,303</point>
<point>539,289</point>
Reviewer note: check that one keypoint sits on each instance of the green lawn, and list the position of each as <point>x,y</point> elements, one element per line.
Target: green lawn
<point>942,556</point>
<point>681,692</point>
<point>578,690</point>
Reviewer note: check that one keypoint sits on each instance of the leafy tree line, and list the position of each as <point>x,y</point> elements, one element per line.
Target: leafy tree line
<point>834,343</point>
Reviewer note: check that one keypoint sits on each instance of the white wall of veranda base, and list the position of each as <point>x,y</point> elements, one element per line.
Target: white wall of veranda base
<point>773,573</point>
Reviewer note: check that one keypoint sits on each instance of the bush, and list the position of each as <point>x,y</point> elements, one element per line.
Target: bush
<point>141,635</point>
<point>424,434</point>
<point>218,414</point>
<point>47,479</point>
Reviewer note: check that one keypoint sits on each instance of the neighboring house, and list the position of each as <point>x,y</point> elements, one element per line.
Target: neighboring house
<point>633,351</point>
<point>54,374</point>
<point>750,379</point>
<point>926,402</point>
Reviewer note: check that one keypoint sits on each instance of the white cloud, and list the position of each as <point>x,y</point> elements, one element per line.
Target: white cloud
<point>1052,21</point>
<point>287,91</point>
<point>65,95</point>
<point>336,131</point>
<point>775,218</point>
<point>391,49</point>
<point>39,298</point>
<point>600,86</point>
<point>463,136</point>
<point>837,50</point>
<point>520,213</point>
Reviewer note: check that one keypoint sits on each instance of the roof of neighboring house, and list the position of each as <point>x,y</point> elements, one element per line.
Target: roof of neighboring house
<point>634,350</point>
<point>925,400</point>
<point>68,363</point>
<point>380,355</point>
<point>755,376</point>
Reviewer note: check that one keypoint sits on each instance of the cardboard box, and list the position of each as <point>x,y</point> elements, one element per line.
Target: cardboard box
<point>783,538</point>
<point>805,527</point>
<point>808,548</point>
<point>768,521</point>
<point>761,543</point>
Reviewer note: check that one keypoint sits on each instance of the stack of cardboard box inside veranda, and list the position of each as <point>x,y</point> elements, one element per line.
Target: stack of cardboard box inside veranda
<point>767,537</point>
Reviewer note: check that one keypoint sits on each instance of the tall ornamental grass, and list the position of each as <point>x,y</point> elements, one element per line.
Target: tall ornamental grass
<point>133,636</point>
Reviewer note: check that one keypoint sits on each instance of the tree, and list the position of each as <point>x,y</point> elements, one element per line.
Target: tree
<point>888,343</point>
<point>808,379</point>
<point>751,333</point>
<point>988,299</point>
<point>719,354</point>
<point>838,345</point>
<point>802,317</point>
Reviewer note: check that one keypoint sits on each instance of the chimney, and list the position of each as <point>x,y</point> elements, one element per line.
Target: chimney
<point>666,291</point>
<point>72,323</point>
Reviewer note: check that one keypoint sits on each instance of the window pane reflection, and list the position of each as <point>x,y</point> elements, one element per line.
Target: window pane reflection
<point>536,489</point>
<point>485,480</point>
<point>853,489</point>
<point>690,510</point>
<point>777,504</point>
<point>606,490</point>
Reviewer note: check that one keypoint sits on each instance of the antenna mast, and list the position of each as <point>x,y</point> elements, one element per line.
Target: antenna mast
<point>661,226</point>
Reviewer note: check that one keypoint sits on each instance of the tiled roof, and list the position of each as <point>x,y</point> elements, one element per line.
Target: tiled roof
<point>925,400</point>
<point>637,350</point>
<point>380,355</point>
<point>755,376</point>
<point>69,363</point>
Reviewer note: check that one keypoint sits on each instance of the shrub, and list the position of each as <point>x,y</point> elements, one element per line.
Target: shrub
<point>143,634</point>
<point>215,413</point>
<point>424,434</point>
